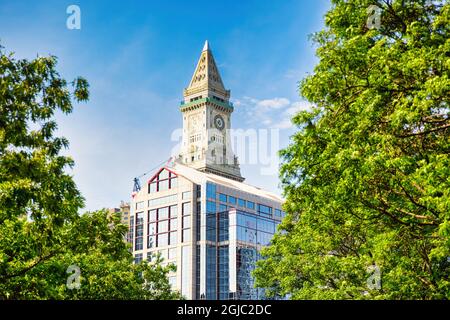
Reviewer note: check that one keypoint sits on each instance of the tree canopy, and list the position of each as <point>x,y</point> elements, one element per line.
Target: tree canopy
<point>43,238</point>
<point>366,177</point>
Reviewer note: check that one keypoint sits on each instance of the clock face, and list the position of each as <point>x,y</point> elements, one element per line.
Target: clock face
<point>219,122</point>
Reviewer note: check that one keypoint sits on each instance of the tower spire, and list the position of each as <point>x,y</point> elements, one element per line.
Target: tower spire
<point>206,79</point>
<point>206,46</point>
<point>207,113</point>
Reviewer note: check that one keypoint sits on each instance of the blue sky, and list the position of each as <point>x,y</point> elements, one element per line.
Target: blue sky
<point>138,56</point>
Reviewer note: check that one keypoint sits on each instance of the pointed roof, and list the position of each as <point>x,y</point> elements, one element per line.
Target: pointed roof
<point>206,75</point>
<point>206,46</point>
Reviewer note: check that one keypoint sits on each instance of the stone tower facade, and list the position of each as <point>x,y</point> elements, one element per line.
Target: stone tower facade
<point>206,111</point>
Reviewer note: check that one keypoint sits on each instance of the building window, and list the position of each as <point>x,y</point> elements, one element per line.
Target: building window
<point>140,205</point>
<point>172,253</point>
<point>152,215</point>
<point>250,205</point>
<point>137,258</point>
<point>246,258</point>
<point>173,183</point>
<point>217,226</point>
<point>197,272</point>
<point>186,222</point>
<point>231,200</point>
<point>223,272</point>
<point>223,226</point>
<point>254,230</point>
<point>161,222</point>
<point>198,191</point>
<point>186,208</point>
<point>210,206</point>
<point>186,235</point>
<point>164,174</point>
<point>163,226</point>
<point>186,214</point>
<point>265,225</point>
<point>279,213</point>
<point>151,229</point>
<point>211,272</point>
<point>264,210</point>
<point>151,241</point>
<point>173,211</point>
<point>210,191</point>
<point>163,185</point>
<point>139,235</point>
<point>162,240</point>
<point>163,254</point>
<point>173,224</point>
<point>241,202</point>
<point>163,213</point>
<point>222,207</point>
<point>197,221</point>
<point>211,229</point>
<point>185,266</point>
<point>163,181</point>
<point>246,229</point>
<point>223,197</point>
<point>264,238</point>
<point>195,138</point>
<point>138,243</point>
<point>131,231</point>
<point>187,195</point>
<point>139,218</point>
<point>173,238</point>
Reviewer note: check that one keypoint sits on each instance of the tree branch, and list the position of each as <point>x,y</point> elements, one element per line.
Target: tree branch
<point>34,264</point>
<point>423,132</point>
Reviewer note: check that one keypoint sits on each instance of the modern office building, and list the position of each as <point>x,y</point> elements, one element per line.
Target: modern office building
<point>197,212</point>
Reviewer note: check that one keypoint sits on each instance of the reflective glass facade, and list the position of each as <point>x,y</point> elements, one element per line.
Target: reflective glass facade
<point>245,264</point>
<point>213,237</point>
<point>246,232</point>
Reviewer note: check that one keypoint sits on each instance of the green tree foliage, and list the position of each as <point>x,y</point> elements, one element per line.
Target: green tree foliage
<point>41,232</point>
<point>367,176</point>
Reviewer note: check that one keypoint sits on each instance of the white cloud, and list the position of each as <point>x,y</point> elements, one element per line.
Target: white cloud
<point>275,103</point>
<point>250,100</point>
<point>237,103</point>
<point>283,124</point>
<point>272,113</point>
<point>297,107</point>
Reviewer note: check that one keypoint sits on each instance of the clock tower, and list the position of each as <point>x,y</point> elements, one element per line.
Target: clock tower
<point>206,110</point>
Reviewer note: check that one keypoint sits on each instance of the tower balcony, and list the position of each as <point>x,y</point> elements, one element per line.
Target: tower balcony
<point>224,104</point>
